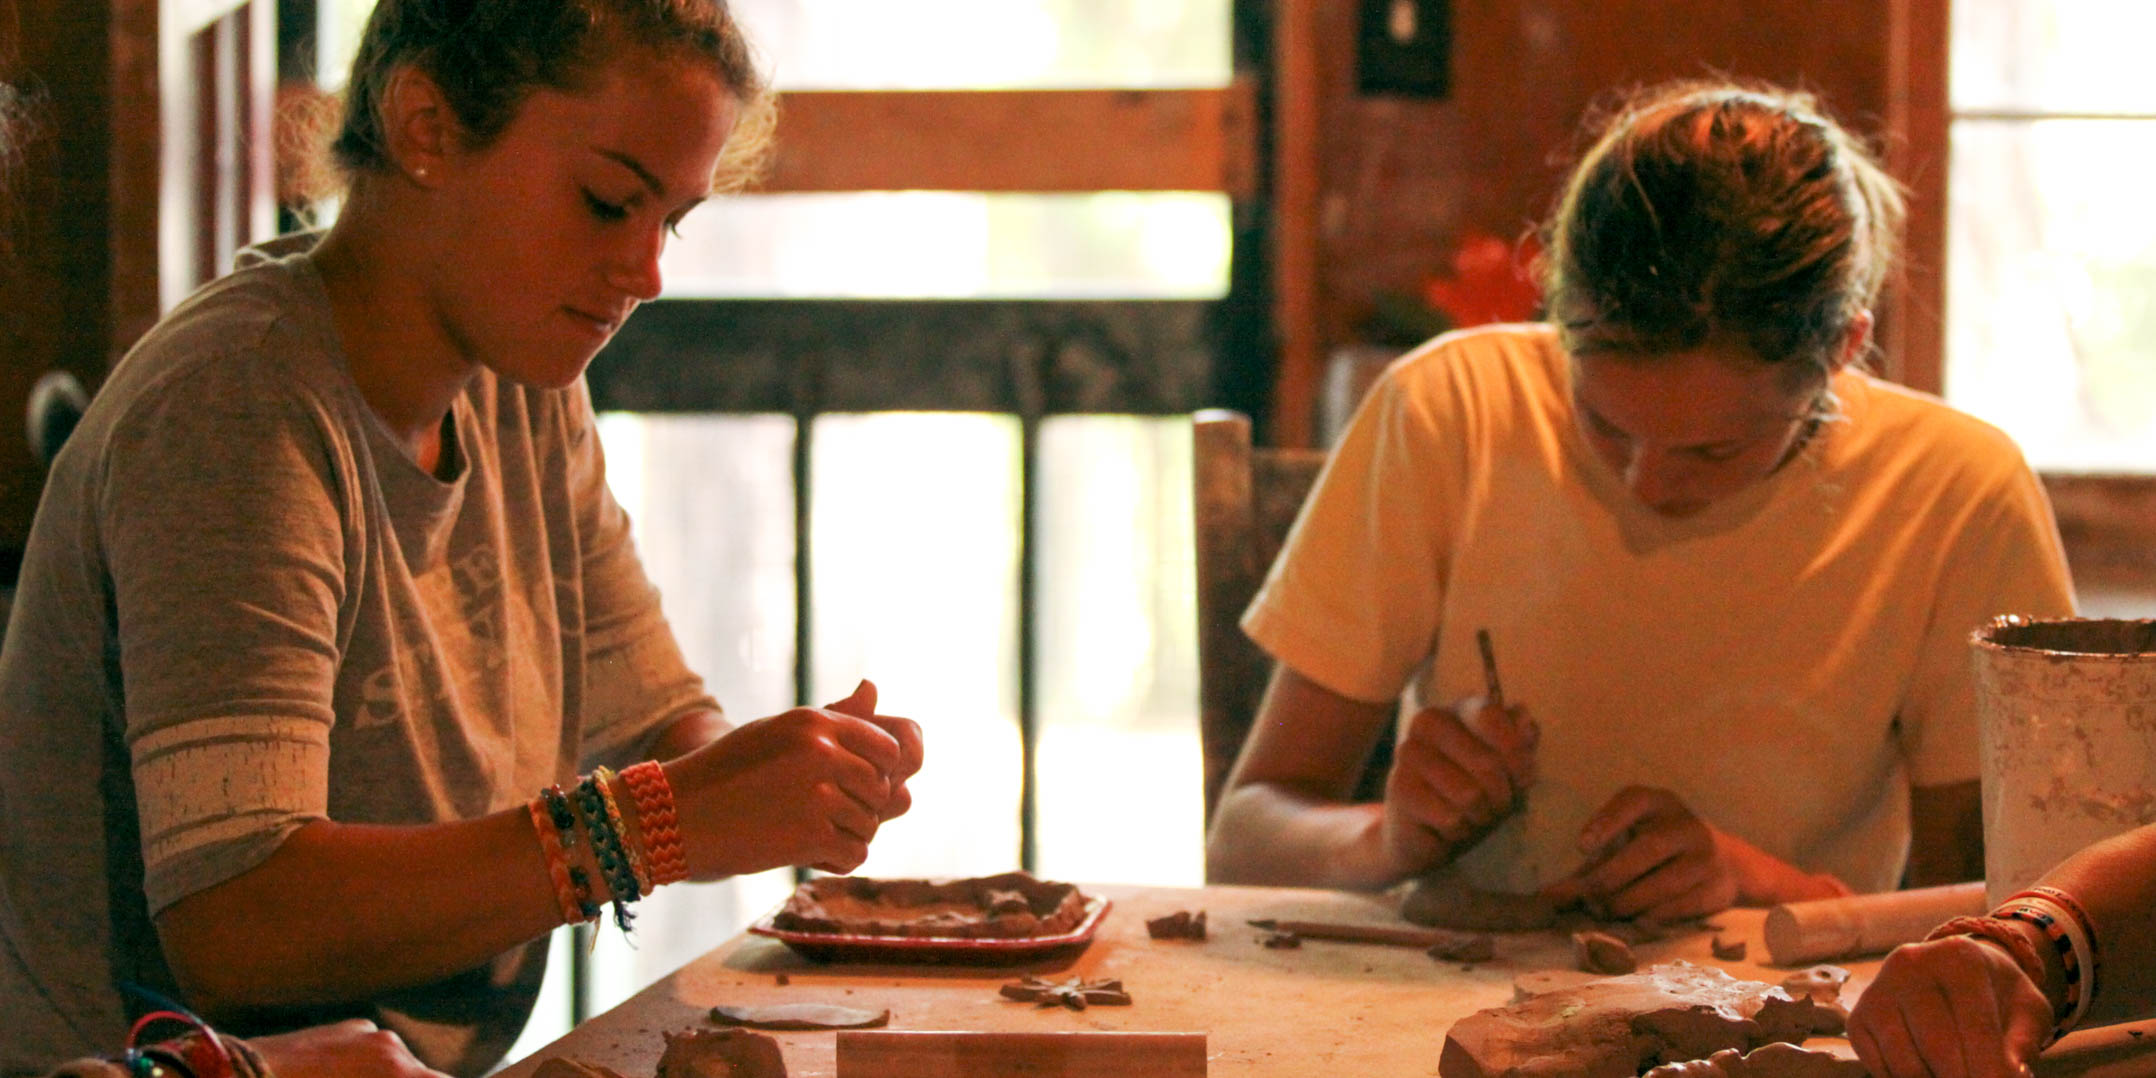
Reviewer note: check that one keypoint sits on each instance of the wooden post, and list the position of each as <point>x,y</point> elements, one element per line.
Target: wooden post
<point>1297,118</point>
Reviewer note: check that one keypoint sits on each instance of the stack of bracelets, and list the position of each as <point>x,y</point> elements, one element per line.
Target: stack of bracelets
<point>631,858</point>
<point>2064,924</point>
<point>200,1053</point>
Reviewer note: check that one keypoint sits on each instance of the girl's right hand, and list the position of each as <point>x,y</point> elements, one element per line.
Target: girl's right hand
<point>354,1048</point>
<point>808,786</point>
<point>1458,771</point>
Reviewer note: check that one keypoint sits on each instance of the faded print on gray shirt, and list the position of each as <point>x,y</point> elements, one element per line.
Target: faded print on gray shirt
<point>244,607</point>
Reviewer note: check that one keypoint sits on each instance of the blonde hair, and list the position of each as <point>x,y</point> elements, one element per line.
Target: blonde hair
<point>489,55</point>
<point>1721,211</point>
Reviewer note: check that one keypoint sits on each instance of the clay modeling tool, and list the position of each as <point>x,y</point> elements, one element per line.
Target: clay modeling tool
<point>1389,935</point>
<point>1491,688</point>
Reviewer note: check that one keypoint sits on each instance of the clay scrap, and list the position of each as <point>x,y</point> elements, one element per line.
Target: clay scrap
<point>1616,1027</point>
<point>1823,986</point>
<point>721,1053</point>
<point>1076,993</point>
<point>1728,951</point>
<point>1600,952</point>
<point>1445,901</point>
<point>1180,925</point>
<point>1463,947</point>
<point>1767,1061</point>
<point>800,1016</point>
<point>1011,905</point>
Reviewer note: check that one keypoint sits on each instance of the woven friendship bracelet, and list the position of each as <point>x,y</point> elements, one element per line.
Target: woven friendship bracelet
<point>557,863</point>
<point>2070,937</point>
<point>656,819</point>
<point>632,844</point>
<point>2069,1001</point>
<point>603,823</point>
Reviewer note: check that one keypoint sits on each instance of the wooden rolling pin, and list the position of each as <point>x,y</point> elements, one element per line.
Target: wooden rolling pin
<point>1801,933</point>
<point>884,1053</point>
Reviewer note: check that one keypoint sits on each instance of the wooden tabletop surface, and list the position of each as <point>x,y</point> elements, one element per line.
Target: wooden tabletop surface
<point>1322,1008</point>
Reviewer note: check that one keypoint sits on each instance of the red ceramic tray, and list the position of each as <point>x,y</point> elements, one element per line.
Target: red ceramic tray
<point>937,950</point>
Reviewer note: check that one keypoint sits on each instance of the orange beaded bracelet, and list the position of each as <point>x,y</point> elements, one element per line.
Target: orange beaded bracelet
<point>656,819</point>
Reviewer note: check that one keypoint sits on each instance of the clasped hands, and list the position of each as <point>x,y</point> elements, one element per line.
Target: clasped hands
<point>809,786</point>
<point>1463,769</point>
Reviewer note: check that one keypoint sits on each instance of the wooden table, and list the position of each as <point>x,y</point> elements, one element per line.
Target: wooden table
<point>1323,1008</point>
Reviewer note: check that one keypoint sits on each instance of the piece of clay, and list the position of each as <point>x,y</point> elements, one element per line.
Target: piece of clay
<point>721,1053</point>
<point>1007,906</point>
<point>1599,952</point>
<point>1282,941</point>
<point>782,980</point>
<point>1464,948</point>
<point>572,1068</point>
<point>1823,985</point>
<point>1615,1027</point>
<point>1180,925</point>
<point>1767,1061</point>
<point>800,1016</point>
<point>1728,952</point>
<point>1076,993</point>
<point>1445,901</point>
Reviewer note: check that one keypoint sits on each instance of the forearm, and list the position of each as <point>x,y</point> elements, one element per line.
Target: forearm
<point>345,911</point>
<point>1268,834</point>
<point>685,734</point>
<point>2115,881</point>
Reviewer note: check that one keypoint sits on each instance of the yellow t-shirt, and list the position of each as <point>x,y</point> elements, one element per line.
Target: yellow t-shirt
<point>1789,662</point>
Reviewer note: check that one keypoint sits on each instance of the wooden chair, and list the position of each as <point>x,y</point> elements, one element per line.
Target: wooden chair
<point>1243,500</point>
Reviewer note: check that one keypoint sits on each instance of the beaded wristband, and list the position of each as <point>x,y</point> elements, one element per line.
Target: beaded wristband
<point>564,817</point>
<point>557,863</point>
<point>606,846</point>
<point>656,819</point>
<point>2087,925</point>
<point>2070,937</point>
<point>631,843</point>
<point>1997,930</point>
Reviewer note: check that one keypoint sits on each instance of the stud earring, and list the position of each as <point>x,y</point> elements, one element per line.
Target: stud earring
<point>420,173</point>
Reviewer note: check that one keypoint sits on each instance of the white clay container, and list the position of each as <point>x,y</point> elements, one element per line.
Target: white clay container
<point>2066,713</point>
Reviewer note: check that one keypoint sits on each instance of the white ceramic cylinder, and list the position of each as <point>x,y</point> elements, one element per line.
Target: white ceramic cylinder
<point>2067,734</point>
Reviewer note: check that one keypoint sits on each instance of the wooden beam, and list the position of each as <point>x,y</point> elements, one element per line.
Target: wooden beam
<point>1913,328</point>
<point>1017,140</point>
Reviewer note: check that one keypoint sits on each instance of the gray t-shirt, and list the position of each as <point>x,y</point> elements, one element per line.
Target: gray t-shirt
<point>245,607</point>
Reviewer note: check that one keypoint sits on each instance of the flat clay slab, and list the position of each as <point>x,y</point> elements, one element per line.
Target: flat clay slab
<point>1616,1027</point>
<point>1012,905</point>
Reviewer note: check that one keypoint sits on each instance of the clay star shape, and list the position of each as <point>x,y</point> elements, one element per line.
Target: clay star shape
<point>1075,993</point>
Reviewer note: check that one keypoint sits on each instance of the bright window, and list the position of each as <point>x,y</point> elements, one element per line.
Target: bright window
<point>2051,268</point>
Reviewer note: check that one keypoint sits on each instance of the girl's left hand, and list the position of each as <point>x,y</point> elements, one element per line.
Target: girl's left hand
<point>1958,1006</point>
<point>1650,857</point>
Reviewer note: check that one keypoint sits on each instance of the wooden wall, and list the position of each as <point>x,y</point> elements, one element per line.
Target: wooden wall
<point>80,280</point>
<point>1399,181</point>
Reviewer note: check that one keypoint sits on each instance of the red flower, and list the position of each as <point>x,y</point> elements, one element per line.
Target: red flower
<point>1488,283</point>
